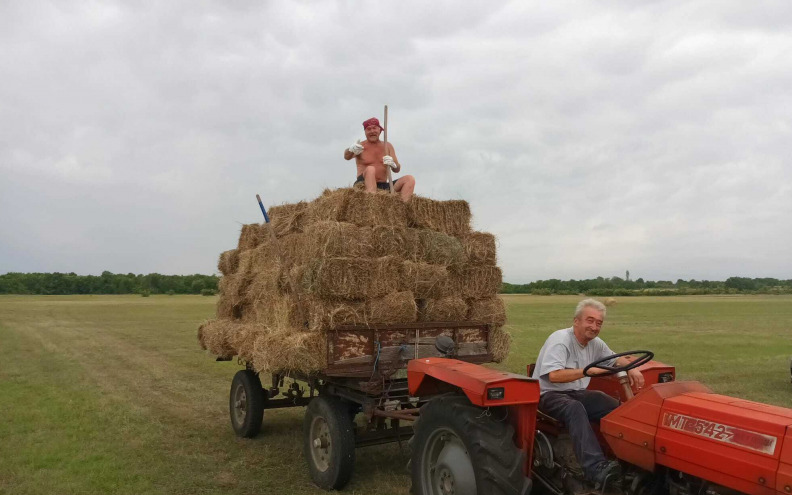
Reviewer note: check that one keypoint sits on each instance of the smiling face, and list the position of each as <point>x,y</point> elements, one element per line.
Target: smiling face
<point>587,326</point>
<point>372,133</point>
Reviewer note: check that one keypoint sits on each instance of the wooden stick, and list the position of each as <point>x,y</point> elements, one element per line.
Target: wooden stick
<point>390,182</point>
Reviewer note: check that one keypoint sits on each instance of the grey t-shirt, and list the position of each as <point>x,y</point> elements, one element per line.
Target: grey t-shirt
<point>561,351</point>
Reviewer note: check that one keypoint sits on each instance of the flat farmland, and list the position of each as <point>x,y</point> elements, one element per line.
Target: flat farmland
<point>111,394</point>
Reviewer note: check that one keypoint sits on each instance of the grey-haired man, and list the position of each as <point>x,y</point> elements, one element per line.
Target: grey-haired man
<point>559,369</point>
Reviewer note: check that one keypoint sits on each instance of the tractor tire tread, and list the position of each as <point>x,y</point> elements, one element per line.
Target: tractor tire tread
<point>498,463</point>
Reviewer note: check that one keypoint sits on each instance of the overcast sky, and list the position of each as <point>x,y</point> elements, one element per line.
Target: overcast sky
<point>591,137</point>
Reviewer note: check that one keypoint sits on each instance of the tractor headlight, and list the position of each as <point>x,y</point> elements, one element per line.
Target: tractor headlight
<point>665,377</point>
<point>495,393</point>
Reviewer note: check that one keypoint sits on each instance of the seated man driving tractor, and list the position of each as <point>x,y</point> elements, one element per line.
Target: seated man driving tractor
<point>563,384</point>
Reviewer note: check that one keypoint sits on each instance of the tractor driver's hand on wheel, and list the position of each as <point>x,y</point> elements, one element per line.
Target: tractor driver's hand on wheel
<point>356,148</point>
<point>636,378</point>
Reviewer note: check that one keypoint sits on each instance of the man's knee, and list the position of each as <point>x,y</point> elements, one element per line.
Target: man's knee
<point>369,171</point>
<point>598,404</point>
<point>406,181</point>
<point>563,407</point>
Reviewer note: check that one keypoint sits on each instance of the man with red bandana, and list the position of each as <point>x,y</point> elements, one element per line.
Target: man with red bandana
<point>371,158</point>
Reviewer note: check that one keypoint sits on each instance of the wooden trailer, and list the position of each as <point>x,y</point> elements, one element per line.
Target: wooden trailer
<point>360,398</point>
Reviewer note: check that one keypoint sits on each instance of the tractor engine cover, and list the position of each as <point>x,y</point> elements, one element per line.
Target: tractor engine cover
<point>684,426</point>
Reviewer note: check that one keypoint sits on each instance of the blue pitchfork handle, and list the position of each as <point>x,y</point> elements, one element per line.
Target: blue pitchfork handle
<point>264,211</point>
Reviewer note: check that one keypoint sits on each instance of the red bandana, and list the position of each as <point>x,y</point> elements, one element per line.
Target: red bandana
<point>372,121</point>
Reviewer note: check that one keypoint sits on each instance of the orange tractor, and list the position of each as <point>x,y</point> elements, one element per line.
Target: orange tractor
<point>478,431</point>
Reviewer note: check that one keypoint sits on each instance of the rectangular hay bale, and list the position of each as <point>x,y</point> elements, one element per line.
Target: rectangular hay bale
<point>499,343</point>
<point>251,235</point>
<point>475,281</point>
<point>451,308</point>
<point>491,310</point>
<point>352,278</point>
<point>385,240</point>
<point>288,219</point>
<point>228,262</point>
<point>425,280</point>
<point>233,287</point>
<point>450,217</point>
<point>359,207</point>
<point>396,307</point>
<point>330,239</point>
<point>324,314</point>
<point>439,248</point>
<point>480,248</point>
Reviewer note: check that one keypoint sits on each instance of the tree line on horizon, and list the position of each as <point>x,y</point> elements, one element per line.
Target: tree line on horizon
<point>616,286</point>
<point>155,283</point>
<point>106,283</point>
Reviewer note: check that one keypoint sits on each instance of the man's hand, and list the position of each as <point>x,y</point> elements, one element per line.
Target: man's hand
<point>388,160</point>
<point>636,378</point>
<point>356,148</point>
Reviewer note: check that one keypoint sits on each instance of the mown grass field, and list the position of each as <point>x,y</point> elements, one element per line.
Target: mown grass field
<point>111,394</point>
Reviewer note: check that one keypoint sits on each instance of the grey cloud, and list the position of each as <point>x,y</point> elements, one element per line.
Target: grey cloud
<point>591,138</point>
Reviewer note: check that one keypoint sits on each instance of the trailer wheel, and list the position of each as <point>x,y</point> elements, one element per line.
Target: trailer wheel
<point>462,449</point>
<point>329,442</point>
<point>246,404</point>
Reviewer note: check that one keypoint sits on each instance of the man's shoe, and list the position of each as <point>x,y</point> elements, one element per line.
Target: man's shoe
<point>607,471</point>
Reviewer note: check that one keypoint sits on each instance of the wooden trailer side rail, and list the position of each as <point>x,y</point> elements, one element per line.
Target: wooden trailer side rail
<point>360,351</point>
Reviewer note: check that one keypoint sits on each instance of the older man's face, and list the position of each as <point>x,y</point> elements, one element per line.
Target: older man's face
<point>372,133</point>
<point>587,326</point>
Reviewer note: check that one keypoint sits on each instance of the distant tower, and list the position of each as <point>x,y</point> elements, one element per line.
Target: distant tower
<point>627,278</point>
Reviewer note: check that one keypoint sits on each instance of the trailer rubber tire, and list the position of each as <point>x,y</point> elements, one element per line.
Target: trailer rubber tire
<point>329,442</point>
<point>246,404</point>
<point>463,449</point>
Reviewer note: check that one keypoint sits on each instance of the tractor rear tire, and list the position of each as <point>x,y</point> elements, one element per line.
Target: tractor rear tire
<point>246,404</point>
<point>329,442</point>
<point>462,449</point>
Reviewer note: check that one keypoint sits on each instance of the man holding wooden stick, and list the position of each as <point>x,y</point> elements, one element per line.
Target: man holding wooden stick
<point>373,158</point>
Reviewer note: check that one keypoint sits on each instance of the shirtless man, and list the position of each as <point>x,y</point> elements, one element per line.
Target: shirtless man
<point>371,159</point>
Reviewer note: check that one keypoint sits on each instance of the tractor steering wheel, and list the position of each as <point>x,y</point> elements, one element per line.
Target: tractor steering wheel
<point>646,356</point>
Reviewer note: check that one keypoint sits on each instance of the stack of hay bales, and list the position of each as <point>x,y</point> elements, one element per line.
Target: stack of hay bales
<point>351,257</point>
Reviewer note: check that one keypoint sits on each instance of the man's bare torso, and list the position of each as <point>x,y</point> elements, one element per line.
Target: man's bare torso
<point>372,156</point>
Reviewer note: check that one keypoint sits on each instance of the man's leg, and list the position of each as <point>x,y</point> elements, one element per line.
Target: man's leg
<point>405,187</point>
<point>370,179</point>
<point>598,404</point>
<point>572,412</point>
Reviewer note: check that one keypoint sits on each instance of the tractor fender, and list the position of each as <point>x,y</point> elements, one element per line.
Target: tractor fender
<point>484,387</point>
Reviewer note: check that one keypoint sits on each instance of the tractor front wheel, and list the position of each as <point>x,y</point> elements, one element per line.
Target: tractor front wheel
<point>462,449</point>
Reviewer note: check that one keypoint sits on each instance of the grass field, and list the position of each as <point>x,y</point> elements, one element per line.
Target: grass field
<point>111,394</point>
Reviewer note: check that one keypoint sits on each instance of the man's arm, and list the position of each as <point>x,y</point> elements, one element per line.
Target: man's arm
<point>348,155</point>
<point>556,359</point>
<point>570,375</point>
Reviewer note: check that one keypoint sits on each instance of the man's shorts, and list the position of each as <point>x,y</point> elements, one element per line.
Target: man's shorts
<point>380,185</point>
